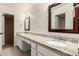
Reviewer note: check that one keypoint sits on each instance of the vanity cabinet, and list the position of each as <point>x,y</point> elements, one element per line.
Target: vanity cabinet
<point>38,49</point>
<point>41,50</point>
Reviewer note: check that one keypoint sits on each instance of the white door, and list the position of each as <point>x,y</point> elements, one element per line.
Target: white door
<point>1,31</point>
<point>0,43</point>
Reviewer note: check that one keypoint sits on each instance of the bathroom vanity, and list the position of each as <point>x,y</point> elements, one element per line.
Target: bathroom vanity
<point>42,45</point>
<point>61,18</point>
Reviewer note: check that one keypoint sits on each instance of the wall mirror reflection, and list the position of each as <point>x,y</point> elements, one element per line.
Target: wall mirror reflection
<point>59,21</point>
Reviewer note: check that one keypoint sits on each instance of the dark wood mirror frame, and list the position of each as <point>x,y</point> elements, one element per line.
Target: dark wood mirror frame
<point>75,22</point>
<point>27,29</point>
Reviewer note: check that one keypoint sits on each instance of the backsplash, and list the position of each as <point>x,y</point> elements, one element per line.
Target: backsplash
<point>58,37</point>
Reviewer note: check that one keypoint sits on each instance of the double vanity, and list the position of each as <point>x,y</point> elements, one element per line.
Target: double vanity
<point>41,45</point>
<point>62,18</point>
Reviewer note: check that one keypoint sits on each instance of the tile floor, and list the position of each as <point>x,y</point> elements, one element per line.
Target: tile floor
<point>13,51</point>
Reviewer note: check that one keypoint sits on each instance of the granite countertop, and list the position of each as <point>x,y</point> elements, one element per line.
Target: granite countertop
<point>70,48</point>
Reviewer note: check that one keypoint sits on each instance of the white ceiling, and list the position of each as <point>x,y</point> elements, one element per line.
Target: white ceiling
<point>21,6</point>
<point>14,5</point>
<point>17,4</point>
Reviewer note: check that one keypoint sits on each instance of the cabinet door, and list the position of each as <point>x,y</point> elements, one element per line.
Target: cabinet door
<point>44,51</point>
<point>33,45</point>
<point>0,44</point>
<point>19,42</point>
<point>33,49</point>
<point>33,52</point>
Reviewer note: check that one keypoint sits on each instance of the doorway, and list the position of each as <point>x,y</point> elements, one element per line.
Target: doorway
<point>9,29</point>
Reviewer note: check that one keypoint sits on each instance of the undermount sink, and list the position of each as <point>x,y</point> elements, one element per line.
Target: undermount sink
<point>56,43</point>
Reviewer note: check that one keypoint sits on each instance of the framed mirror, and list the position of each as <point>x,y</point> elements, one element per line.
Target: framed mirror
<point>27,24</point>
<point>63,17</point>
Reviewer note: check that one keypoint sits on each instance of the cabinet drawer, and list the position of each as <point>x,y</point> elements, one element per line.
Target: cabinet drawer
<point>45,51</point>
<point>33,45</point>
<point>33,52</point>
<point>26,40</point>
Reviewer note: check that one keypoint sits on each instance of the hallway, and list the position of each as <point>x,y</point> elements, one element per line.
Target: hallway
<point>14,51</point>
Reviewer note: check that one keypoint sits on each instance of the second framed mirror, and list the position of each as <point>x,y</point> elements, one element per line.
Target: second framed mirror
<point>63,17</point>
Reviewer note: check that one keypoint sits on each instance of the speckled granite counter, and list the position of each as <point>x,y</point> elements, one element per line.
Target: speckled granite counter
<point>70,48</point>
